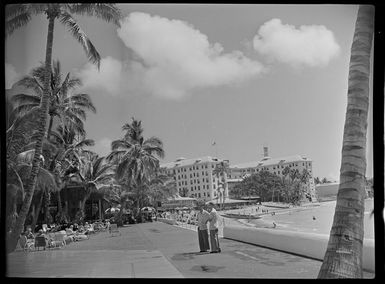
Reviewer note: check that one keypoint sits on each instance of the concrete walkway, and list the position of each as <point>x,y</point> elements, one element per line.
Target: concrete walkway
<point>158,250</point>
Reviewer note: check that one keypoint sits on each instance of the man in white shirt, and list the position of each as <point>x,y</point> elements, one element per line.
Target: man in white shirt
<point>203,236</point>
<point>213,227</point>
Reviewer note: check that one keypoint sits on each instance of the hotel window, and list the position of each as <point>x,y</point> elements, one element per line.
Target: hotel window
<point>199,188</point>
<point>212,166</point>
<point>204,194</point>
<point>199,194</point>
<point>279,172</point>
<point>214,186</point>
<point>203,186</point>
<point>208,194</point>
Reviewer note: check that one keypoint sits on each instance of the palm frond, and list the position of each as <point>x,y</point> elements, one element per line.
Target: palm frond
<point>106,12</point>
<point>76,111</point>
<point>16,22</point>
<point>25,99</point>
<point>73,27</point>
<point>85,143</point>
<point>30,82</point>
<point>39,73</point>
<point>82,101</point>
<point>26,110</point>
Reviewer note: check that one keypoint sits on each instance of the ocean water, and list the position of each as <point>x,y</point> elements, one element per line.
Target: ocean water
<point>302,220</point>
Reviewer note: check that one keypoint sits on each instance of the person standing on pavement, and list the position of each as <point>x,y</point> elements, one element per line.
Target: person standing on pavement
<point>213,226</point>
<point>203,235</point>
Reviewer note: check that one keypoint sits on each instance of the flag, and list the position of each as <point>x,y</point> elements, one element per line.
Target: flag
<point>214,143</point>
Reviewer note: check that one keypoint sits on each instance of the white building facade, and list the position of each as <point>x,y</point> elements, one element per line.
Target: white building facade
<point>195,177</point>
<point>275,166</point>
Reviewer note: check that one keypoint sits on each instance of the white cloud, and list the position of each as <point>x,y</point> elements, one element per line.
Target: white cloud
<point>176,58</point>
<point>103,146</point>
<point>312,45</point>
<point>108,77</point>
<point>11,76</point>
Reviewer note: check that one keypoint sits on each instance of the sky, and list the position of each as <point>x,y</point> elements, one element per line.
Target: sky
<point>243,75</point>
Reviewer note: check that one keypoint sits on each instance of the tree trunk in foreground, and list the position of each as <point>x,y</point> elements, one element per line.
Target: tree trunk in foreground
<point>343,257</point>
<point>30,188</point>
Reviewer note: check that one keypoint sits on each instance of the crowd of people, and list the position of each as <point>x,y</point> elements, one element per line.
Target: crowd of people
<point>71,232</point>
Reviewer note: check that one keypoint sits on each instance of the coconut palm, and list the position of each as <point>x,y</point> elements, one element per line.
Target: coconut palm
<point>221,170</point>
<point>161,187</point>
<point>18,15</point>
<point>343,257</point>
<point>45,183</point>
<point>136,158</point>
<point>96,175</point>
<point>70,108</point>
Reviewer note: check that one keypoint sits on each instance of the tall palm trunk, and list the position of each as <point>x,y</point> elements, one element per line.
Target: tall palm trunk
<point>343,257</point>
<point>30,187</point>
<point>50,126</point>
<point>37,212</point>
<point>47,214</point>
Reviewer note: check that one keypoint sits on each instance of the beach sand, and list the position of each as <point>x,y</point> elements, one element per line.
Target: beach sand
<point>313,218</point>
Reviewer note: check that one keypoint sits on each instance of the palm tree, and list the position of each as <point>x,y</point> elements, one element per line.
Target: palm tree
<point>68,107</point>
<point>96,175</point>
<point>18,15</point>
<point>136,158</point>
<point>221,170</point>
<point>343,257</point>
<point>161,187</point>
<point>67,159</point>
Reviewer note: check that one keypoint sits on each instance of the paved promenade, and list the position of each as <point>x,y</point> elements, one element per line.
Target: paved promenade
<point>158,250</point>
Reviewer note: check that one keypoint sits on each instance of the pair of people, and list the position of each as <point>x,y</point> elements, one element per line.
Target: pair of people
<point>211,217</point>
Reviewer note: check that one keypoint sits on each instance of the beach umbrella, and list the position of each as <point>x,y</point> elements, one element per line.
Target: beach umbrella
<point>148,209</point>
<point>112,210</point>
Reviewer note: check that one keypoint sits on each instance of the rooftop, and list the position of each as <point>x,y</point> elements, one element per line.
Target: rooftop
<point>182,162</point>
<point>267,161</point>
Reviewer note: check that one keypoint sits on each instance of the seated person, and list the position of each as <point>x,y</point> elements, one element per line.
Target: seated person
<point>81,234</point>
<point>28,233</point>
<point>67,238</point>
<point>86,226</point>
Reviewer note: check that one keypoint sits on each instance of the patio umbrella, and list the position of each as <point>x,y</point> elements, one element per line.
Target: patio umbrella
<point>148,209</point>
<point>112,210</point>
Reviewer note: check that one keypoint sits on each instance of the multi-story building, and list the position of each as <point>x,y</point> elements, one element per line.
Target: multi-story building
<point>275,166</point>
<point>195,178</point>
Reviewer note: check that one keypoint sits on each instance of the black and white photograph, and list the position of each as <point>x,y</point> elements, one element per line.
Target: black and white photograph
<point>191,140</point>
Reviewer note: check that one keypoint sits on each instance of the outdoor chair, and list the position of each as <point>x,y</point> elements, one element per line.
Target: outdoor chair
<point>114,229</point>
<point>40,241</point>
<point>24,244</point>
<point>58,241</point>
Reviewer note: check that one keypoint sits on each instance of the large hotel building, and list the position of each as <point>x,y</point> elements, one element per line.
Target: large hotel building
<point>275,166</point>
<point>195,176</point>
